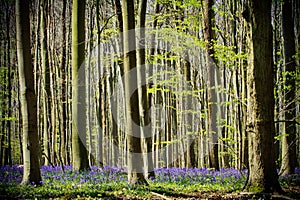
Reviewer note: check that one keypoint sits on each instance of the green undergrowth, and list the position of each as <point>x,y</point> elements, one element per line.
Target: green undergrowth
<point>120,190</point>
<point>110,183</point>
<point>111,190</point>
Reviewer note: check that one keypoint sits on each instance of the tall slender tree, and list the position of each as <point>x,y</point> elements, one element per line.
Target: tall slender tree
<point>135,174</point>
<point>142,93</point>
<point>28,97</point>
<point>260,125</point>
<point>63,95</point>
<point>46,80</point>
<point>99,151</point>
<point>289,138</point>
<point>212,94</point>
<point>80,156</point>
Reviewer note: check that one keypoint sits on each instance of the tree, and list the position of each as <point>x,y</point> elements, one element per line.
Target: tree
<point>99,151</point>
<point>28,97</point>
<point>80,156</point>
<point>46,81</point>
<point>62,91</point>
<point>211,96</point>
<point>289,138</point>
<point>142,91</point>
<point>260,125</point>
<point>210,29</point>
<point>135,175</point>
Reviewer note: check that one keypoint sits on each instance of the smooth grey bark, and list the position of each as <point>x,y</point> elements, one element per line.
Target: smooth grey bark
<point>28,99</point>
<point>135,174</point>
<point>80,155</point>
<point>142,92</point>
<point>46,81</point>
<point>212,93</point>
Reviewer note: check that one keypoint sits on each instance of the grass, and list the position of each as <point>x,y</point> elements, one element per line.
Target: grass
<point>111,183</point>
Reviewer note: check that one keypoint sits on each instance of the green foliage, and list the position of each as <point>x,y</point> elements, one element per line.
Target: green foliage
<point>227,54</point>
<point>256,188</point>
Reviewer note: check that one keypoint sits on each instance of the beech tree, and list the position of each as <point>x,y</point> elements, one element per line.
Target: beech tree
<point>186,37</point>
<point>212,93</point>
<point>260,125</point>
<point>46,81</point>
<point>142,91</point>
<point>28,98</point>
<point>135,174</point>
<point>80,156</point>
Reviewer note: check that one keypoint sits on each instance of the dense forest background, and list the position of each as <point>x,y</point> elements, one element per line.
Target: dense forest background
<point>176,74</point>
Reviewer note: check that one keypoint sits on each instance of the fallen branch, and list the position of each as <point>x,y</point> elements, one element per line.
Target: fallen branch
<point>160,195</point>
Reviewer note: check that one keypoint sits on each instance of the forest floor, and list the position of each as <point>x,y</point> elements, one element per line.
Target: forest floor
<point>111,183</point>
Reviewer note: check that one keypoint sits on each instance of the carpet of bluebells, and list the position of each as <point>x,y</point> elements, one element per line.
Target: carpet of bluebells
<point>111,182</point>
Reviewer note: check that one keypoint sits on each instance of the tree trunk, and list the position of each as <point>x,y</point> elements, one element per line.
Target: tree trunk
<point>289,137</point>
<point>118,10</point>
<point>28,97</point>
<point>99,150</point>
<point>260,125</point>
<point>63,91</point>
<point>80,156</point>
<point>135,173</point>
<point>46,82</point>
<point>143,96</point>
<point>212,93</point>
